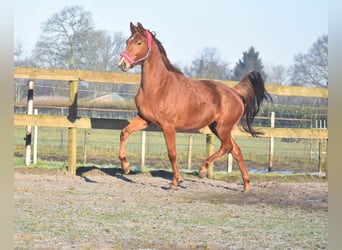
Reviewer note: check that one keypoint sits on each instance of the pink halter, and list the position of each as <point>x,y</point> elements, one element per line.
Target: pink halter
<point>149,46</point>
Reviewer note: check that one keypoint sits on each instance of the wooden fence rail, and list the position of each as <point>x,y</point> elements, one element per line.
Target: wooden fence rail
<point>125,78</point>
<point>73,122</point>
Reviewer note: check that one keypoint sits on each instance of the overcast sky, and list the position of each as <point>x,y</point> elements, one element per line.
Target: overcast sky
<point>277,29</point>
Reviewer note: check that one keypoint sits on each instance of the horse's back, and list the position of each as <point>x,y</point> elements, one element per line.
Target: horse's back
<point>223,94</point>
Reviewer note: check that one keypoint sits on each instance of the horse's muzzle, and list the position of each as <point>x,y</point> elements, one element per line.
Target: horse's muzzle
<point>122,64</point>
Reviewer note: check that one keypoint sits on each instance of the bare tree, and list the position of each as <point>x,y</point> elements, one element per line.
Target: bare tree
<point>107,50</point>
<point>66,38</point>
<point>21,59</point>
<point>311,69</point>
<point>18,50</point>
<point>208,65</point>
<point>70,41</point>
<point>276,74</point>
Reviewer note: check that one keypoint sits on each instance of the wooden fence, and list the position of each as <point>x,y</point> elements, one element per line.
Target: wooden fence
<point>73,122</point>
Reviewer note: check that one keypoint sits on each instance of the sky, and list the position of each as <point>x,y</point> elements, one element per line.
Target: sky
<point>277,29</point>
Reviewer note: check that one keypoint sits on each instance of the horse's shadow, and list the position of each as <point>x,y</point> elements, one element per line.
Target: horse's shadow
<point>162,174</point>
<point>85,173</point>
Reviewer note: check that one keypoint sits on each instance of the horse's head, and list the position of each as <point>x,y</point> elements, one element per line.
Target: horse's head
<point>138,47</point>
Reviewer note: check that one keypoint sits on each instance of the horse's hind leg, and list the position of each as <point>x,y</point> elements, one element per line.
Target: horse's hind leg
<point>226,146</point>
<point>236,152</point>
<point>204,168</point>
<point>137,124</point>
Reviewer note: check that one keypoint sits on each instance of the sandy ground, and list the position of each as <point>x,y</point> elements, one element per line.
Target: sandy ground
<point>103,209</point>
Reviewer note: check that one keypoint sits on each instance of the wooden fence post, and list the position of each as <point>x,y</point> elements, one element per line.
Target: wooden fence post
<point>210,151</point>
<point>85,141</point>
<point>271,148</point>
<point>29,111</point>
<point>229,162</point>
<point>72,136</point>
<point>35,140</point>
<point>320,156</point>
<point>143,150</point>
<point>189,152</point>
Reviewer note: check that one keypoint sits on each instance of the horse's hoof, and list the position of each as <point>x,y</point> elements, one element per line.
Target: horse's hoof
<point>126,170</point>
<point>202,174</point>
<point>172,187</point>
<point>247,189</point>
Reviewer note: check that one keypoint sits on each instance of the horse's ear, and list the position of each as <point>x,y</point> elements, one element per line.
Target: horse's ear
<point>141,28</point>
<point>133,28</point>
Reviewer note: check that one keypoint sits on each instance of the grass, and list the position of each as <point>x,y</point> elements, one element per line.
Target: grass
<point>276,177</point>
<point>19,162</point>
<point>102,149</point>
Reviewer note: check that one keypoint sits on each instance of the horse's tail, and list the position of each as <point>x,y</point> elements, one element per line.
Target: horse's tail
<point>252,90</point>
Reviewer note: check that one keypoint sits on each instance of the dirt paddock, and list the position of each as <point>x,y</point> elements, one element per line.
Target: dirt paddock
<point>102,209</point>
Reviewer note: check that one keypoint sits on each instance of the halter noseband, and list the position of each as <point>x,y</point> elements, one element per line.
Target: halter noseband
<point>149,46</point>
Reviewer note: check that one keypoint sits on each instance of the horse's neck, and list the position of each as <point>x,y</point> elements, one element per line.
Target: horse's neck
<point>153,73</point>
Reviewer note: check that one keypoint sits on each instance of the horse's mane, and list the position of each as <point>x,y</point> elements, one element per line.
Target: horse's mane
<point>166,60</point>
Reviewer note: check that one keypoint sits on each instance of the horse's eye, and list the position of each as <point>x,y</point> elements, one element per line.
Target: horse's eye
<point>139,43</point>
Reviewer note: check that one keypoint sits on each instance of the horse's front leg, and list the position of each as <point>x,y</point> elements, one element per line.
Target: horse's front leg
<point>137,124</point>
<point>170,139</point>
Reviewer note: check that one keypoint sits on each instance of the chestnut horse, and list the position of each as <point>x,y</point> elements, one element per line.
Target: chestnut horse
<point>169,100</point>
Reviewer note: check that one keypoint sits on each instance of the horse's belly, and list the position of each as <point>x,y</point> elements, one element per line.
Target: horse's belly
<point>194,120</point>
